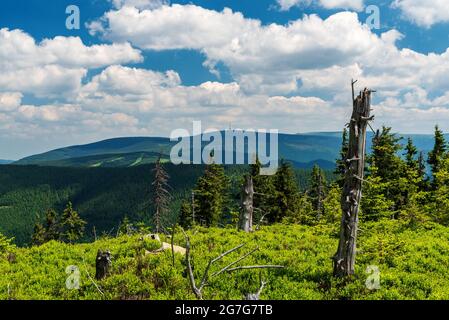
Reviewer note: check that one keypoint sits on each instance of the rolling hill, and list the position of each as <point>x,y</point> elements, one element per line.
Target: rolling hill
<point>303,150</point>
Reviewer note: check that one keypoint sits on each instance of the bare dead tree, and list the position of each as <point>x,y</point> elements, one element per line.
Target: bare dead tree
<point>344,259</point>
<point>247,208</point>
<point>161,195</point>
<point>198,289</point>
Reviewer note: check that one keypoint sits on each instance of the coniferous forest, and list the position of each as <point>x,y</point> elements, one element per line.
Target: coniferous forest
<point>402,249</point>
<point>223,158</point>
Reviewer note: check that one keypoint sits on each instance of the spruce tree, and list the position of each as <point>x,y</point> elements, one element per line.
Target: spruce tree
<point>438,207</point>
<point>317,191</point>
<point>387,170</point>
<point>264,191</point>
<point>286,194</point>
<point>410,155</point>
<point>211,195</point>
<point>51,230</point>
<point>126,227</point>
<point>304,214</point>
<point>185,214</point>
<point>161,196</point>
<point>38,237</point>
<point>72,224</point>
<point>438,153</point>
<point>386,146</point>
<point>52,226</point>
<point>375,204</point>
<point>416,191</point>
<point>341,162</point>
<point>421,164</point>
<point>332,204</point>
<point>422,174</point>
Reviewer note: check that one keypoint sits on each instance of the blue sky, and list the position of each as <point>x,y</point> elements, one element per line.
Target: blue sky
<point>147,67</point>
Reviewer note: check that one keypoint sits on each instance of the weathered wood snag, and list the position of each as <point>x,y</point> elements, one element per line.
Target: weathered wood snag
<point>247,210</point>
<point>103,264</point>
<point>256,296</point>
<point>344,259</point>
<point>198,289</point>
<point>164,245</point>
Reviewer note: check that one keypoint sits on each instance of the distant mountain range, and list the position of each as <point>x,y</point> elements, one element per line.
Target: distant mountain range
<point>303,150</point>
<point>2,161</point>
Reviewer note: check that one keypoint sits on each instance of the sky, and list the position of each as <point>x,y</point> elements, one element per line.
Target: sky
<point>148,67</point>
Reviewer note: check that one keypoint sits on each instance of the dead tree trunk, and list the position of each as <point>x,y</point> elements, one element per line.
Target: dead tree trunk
<point>344,259</point>
<point>103,264</point>
<point>247,210</point>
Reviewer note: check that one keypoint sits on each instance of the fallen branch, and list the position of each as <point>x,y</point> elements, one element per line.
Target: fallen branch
<point>261,220</point>
<point>206,272</point>
<point>255,267</point>
<point>195,290</point>
<point>173,245</point>
<point>91,279</point>
<point>234,263</point>
<point>198,290</point>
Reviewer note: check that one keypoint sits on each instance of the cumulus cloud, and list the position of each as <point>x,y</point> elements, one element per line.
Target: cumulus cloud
<point>327,4</point>
<point>10,100</point>
<point>424,13</point>
<point>306,55</point>
<point>284,76</point>
<point>119,80</point>
<point>140,4</point>
<point>251,50</point>
<point>53,65</point>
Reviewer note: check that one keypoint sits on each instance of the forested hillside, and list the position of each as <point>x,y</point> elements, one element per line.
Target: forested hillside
<point>285,248</point>
<point>102,196</point>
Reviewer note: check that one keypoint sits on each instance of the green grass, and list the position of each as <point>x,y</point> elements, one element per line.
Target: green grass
<point>413,265</point>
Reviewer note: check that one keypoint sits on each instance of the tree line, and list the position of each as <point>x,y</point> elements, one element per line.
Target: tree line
<point>400,183</point>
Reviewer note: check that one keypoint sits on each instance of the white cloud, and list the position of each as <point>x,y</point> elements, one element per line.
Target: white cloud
<point>43,81</point>
<point>253,52</point>
<point>273,59</point>
<point>284,76</point>
<point>9,101</point>
<point>424,12</point>
<point>327,4</point>
<point>119,80</point>
<point>140,4</point>
<point>56,65</point>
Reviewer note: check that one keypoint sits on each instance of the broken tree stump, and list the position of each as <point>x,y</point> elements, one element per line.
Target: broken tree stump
<point>103,264</point>
<point>247,207</point>
<point>164,246</point>
<point>344,259</point>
